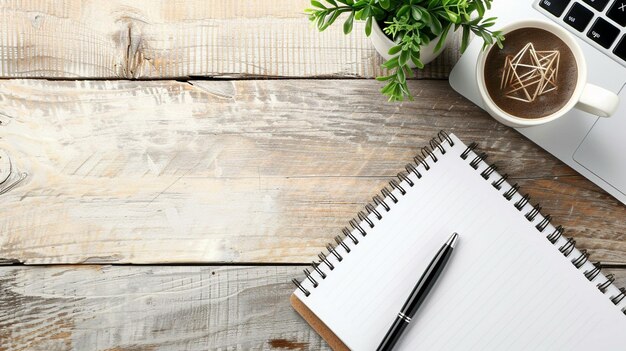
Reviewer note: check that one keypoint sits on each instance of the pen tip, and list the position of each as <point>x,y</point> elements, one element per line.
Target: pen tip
<point>453,239</point>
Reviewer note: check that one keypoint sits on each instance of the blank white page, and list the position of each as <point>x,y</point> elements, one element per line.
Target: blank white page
<point>506,287</point>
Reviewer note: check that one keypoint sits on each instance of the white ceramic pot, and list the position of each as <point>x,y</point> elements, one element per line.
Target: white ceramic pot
<point>382,44</point>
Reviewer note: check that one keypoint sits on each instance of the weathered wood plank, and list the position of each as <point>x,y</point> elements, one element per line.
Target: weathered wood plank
<point>150,39</point>
<point>153,308</point>
<point>150,308</point>
<point>243,171</point>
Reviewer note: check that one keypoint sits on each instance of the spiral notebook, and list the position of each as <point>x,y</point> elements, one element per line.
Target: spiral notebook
<point>515,282</point>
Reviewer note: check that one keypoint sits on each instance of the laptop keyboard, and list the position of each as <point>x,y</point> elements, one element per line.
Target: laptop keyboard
<point>599,22</point>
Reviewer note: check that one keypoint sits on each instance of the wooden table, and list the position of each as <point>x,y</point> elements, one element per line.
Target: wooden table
<point>183,161</point>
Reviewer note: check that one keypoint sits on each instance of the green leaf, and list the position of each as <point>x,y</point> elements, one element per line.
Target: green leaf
<point>435,26</point>
<point>331,19</point>
<point>416,13</point>
<point>320,22</point>
<point>389,64</point>
<point>368,26</point>
<point>465,39</point>
<point>367,12</point>
<point>400,75</point>
<point>389,87</point>
<point>357,15</point>
<point>317,4</point>
<point>394,50</point>
<point>403,11</point>
<point>417,62</point>
<point>378,13</point>
<point>426,17</point>
<point>452,16</point>
<point>480,8</point>
<point>347,25</point>
<point>442,38</point>
<point>409,73</point>
<point>404,58</point>
<point>385,4</point>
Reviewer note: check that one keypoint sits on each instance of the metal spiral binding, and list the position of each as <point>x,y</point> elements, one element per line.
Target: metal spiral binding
<point>530,216</point>
<point>469,149</point>
<point>299,286</point>
<point>568,247</point>
<point>427,152</point>
<point>498,183</point>
<point>332,250</point>
<point>419,160</point>
<point>379,202</point>
<point>477,160</point>
<point>355,225</point>
<point>308,275</point>
<point>347,233</point>
<point>610,278</point>
<point>371,209</point>
<point>316,266</point>
<point>554,237</point>
<point>412,169</point>
<point>619,297</point>
<point>544,223</point>
<point>593,273</point>
<point>385,200</point>
<point>405,178</point>
<point>580,260</point>
<point>509,194</point>
<point>489,171</point>
<point>323,258</point>
<point>387,194</point>
<point>522,202</point>
<point>394,185</point>
<point>363,218</point>
<point>342,243</point>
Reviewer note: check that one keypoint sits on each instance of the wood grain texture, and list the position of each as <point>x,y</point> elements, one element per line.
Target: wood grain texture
<point>128,308</point>
<point>168,38</point>
<point>150,308</point>
<point>243,171</point>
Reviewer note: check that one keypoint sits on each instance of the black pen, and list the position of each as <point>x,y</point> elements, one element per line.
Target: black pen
<point>419,293</point>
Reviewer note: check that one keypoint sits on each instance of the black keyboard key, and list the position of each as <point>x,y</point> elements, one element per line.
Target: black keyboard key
<point>597,4</point>
<point>603,33</point>
<point>578,17</point>
<point>620,49</point>
<point>555,7</point>
<point>617,12</point>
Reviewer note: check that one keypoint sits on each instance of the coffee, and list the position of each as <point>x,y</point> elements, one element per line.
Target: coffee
<point>533,76</point>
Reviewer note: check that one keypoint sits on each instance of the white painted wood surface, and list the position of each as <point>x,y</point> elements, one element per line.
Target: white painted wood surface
<point>242,171</point>
<point>210,171</point>
<point>150,308</point>
<point>168,38</point>
<point>131,308</point>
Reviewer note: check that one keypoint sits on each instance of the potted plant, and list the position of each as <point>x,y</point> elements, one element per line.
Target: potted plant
<point>409,33</point>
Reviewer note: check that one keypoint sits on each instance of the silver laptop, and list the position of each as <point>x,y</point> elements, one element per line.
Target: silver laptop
<point>595,147</point>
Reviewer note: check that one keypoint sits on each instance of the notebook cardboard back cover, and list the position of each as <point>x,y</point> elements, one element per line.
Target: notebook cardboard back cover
<point>333,341</point>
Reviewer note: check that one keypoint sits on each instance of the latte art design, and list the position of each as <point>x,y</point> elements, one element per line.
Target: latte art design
<point>530,73</point>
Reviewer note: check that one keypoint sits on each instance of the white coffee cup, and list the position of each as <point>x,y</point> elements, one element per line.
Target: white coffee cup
<point>586,97</point>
